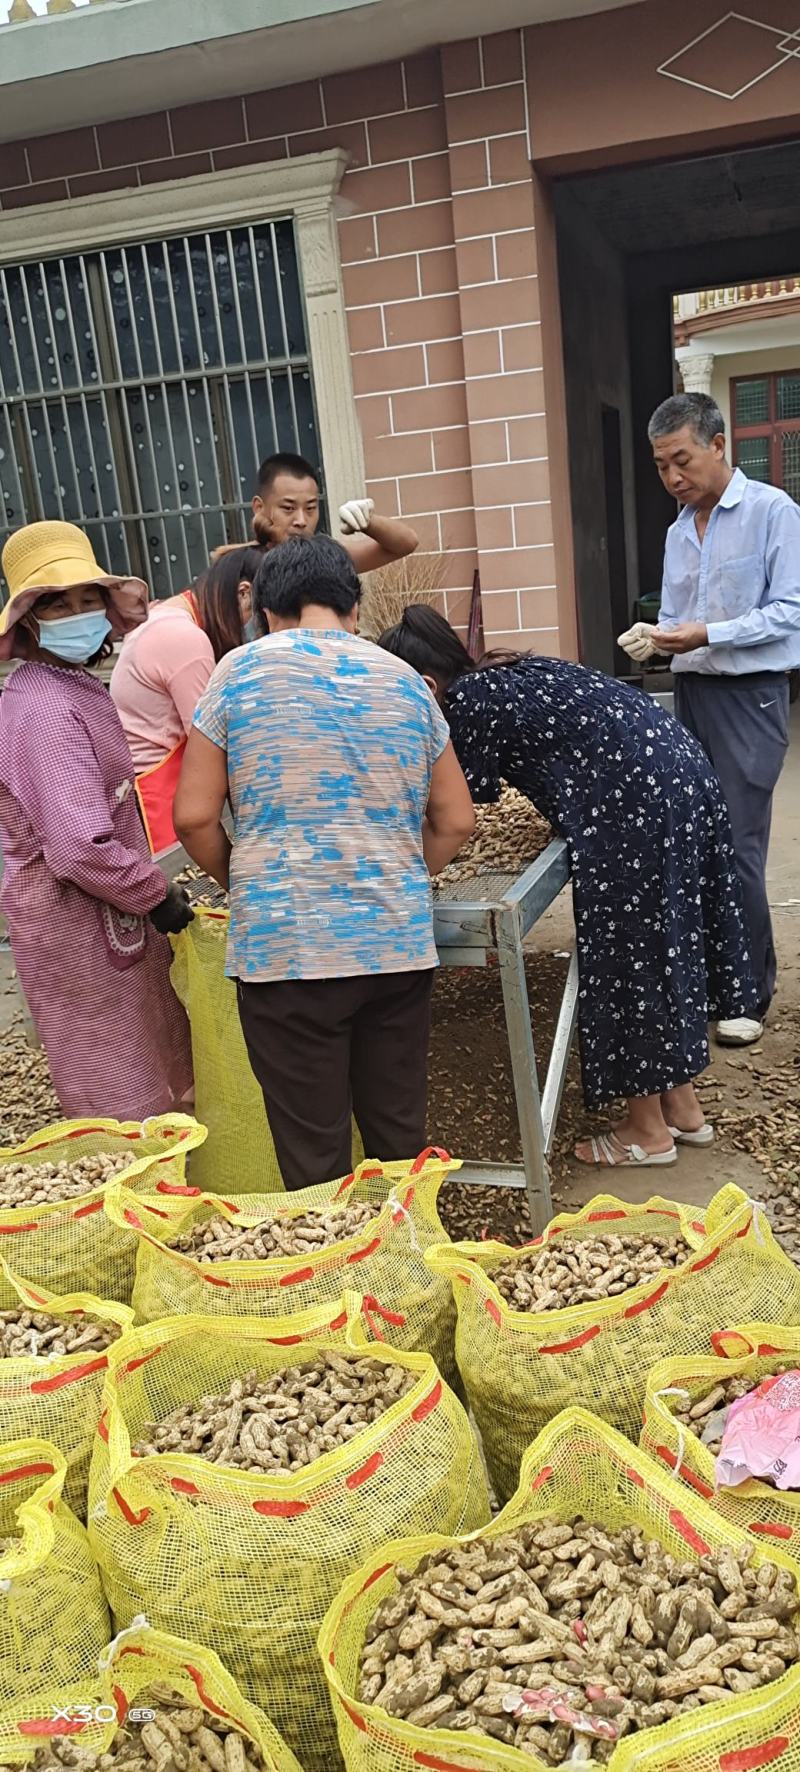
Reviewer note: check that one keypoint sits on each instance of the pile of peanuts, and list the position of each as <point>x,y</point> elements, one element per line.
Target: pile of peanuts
<point>302,1234</point>
<point>508,837</point>
<point>707,1415</point>
<point>162,1733</point>
<point>560,1638</point>
<point>574,1270</point>
<point>284,1422</point>
<point>24,1331</point>
<point>39,1184</point>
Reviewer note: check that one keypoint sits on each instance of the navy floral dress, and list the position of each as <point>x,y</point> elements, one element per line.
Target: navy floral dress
<point>658,908</point>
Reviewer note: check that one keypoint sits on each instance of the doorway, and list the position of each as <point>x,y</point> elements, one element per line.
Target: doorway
<point>628,239</point>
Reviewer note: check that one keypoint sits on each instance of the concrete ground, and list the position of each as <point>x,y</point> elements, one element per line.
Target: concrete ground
<point>737,1080</point>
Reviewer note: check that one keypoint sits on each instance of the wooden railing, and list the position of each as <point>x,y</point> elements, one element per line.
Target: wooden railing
<point>739,295</point>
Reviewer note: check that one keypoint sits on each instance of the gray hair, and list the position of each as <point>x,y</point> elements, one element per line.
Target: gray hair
<point>698,411</point>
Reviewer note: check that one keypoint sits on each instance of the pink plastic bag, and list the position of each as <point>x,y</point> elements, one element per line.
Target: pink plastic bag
<point>762,1435</point>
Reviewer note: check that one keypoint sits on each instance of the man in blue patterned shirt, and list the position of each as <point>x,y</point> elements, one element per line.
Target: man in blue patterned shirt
<point>346,796</point>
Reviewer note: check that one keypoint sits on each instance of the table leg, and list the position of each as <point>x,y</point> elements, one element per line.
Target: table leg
<point>559,1056</point>
<point>523,1066</point>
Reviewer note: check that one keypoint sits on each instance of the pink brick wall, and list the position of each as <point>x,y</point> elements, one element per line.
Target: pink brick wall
<point>439,257</point>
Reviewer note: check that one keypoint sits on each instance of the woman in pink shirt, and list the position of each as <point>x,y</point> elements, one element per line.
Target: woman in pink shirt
<point>163,669</point>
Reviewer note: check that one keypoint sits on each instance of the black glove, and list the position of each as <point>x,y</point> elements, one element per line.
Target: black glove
<point>174,912</point>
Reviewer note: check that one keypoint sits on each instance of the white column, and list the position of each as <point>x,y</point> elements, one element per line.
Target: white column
<point>697,369</point>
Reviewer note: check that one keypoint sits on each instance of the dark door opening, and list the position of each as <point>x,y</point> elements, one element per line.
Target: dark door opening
<point>610,419</point>
<point>628,239</point>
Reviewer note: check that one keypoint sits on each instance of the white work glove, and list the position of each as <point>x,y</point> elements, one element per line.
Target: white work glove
<point>356,515</point>
<point>638,641</point>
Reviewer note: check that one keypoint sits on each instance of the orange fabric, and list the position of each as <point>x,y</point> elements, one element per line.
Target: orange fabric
<point>155,791</point>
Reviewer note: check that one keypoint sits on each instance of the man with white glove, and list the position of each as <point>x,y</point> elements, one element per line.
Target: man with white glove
<point>638,642</point>
<point>730,618</point>
<point>287,503</point>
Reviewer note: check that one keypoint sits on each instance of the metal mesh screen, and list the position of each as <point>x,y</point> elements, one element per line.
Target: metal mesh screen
<point>752,401</point>
<point>752,456</point>
<point>142,384</point>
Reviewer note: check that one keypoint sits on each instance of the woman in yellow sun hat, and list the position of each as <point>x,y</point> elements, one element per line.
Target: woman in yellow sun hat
<point>87,910</point>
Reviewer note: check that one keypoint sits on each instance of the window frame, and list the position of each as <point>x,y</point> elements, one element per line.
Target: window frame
<point>306,189</point>
<point>769,428</point>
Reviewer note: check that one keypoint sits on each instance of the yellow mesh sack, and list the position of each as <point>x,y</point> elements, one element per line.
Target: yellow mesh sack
<point>53,1618</point>
<point>56,1396</point>
<point>250,1562</point>
<point>578,1465</point>
<point>135,1660</point>
<point>751,1350</point>
<point>520,1368</point>
<point>386,1259</point>
<point>239,1156</point>
<point>70,1245</point>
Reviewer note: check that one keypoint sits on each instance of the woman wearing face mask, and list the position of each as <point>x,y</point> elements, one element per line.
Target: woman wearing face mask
<point>87,909</point>
<point>163,669</point>
<point>658,907</point>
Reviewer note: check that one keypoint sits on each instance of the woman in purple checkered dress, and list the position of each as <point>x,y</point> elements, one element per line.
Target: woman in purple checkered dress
<point>87,910</point>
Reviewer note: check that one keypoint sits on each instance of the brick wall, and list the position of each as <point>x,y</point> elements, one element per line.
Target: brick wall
<point>438,250</point>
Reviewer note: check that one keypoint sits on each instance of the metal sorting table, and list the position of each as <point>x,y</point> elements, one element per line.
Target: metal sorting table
<point>493,913</point>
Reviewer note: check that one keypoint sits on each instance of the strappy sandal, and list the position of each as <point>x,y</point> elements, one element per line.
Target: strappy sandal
<point>703,1137</point>
<point>608,1152</point>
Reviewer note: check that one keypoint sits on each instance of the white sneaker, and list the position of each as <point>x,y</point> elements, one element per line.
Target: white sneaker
<point>742,1032</point>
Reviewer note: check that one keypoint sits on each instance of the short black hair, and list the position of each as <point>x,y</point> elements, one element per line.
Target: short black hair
<point>698,411</point>
<point>284,463</point>
<point>306,569</point>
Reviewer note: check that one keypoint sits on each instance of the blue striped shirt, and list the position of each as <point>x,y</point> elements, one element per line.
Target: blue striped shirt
<point>330,746</point>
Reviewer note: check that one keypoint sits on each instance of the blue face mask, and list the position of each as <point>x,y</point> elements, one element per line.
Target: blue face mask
<point>251,629</point>
<point>75,638</point>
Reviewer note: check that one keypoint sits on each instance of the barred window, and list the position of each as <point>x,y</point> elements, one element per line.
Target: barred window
<point>142,384</point>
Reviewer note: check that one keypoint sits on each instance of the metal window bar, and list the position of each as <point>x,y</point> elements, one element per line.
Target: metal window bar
<point>157,375</point>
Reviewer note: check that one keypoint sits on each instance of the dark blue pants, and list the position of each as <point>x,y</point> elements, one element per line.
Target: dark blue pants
<point>743,725</point>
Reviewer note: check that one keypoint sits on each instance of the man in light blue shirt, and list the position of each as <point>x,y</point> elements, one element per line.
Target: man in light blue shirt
<point>730,616</point>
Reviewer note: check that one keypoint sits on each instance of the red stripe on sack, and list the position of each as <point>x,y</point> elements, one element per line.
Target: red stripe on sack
<point>569,1347</point>
<point>42,1387</point>
<point>698,1226</point>
<point>428,1404</point>
<point>356,1478</point>
<point>348,1182</point>
<point>296,1279</point>
<point>280,1510</point>
<point>749,1759</point>
<point>661,1212</point>
<point>216,1709</point>
<point>128,1513</point>
<point>26,1470</point>
<point>375,1174</point>
<point>424,1157</point>
<point>131,1218</point>
<point>183,1487</point>
<point>765,1529</point>
<point>339,1322</point>
<point>542,1477</point>
<point>10,1230</point>
<point>361,1254</point>
<point>493,1310</point>
<point>435,1764</point>
<point>86,1211</point>
<point>48,1726</point>
<point>102,1428</point>
<point>705,1261</point>
<point>121,1703</point>
<point>232,1206</point>
<point>172,1188</point>
<point>635,1477</point>
<point>687,1531</point>
<point>687,1476</point>
<point>129,1649</point>
<point>604,1217</point>
<point>36,1296</point>
<point>375,1576</point>
<point>331,1657</point>
<point>140,1360</point>
<point>646,1304</point>
<point>764,1348</point>
<point>409,1197</point>
<point>214,1279</point>
<point>394,1317</point>
<point>464,1278</point>
<point>285,1340</point>
<point>745,1229</point>
<point>354,1716</point>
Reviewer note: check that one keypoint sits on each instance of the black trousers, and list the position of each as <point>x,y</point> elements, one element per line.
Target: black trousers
<point>325,1049</point>
<point>743,725</point>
